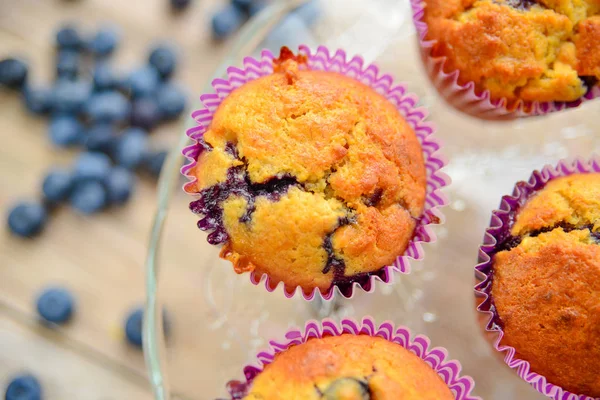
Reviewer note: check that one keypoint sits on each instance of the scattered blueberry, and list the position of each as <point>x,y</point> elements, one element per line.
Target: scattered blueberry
<point>120,184</point>
<point>68,38</point>
<point>153,162</point>
<point>89,197</point>
<point>57,185</point>
<point>13,73</point>
<point>92,167</point>
<point>104,77</point>
<point>100,138</point>
<point>68,64</point>
<point>24,387</point>
<point>70,96</point>
<point>65,131</point>
<point>143,82</point>
<point>131,148</point>
<point>179,5</point>
<point>55,305</point>
<point>145,113</point>
<point>109,106</point>
<point>164,60</point>
<point>104,42</point>
<point>243,5</point>
<point>38,100</point>
<point>134,324</point>
<point>171,101</point>
<point>226,21</point>
<point>27,219</point>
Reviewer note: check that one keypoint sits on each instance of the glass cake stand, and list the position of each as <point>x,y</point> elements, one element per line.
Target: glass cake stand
<point>221,320</point>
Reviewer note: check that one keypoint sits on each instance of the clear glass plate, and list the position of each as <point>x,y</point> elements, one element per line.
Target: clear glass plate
<point>220,320</point>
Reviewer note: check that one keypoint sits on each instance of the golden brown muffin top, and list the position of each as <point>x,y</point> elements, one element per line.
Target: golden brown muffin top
<point>331,177</point>
<point>533,50</point>
<point>348,367</point>
<point>546,289</point>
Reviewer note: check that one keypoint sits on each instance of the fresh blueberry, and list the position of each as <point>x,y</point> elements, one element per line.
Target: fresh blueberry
<point>104,42</point>
<point>55,305</point>
<point>105,77</point>
<point>13,73</point>
<point>131,148</point>
<point>100,137</point>
<point>24,387</point>
<point>68,38</point>
<point>134,324</point>
<point>70,96</point>
<point>164,60</point>
<point>92,167</point>
<point>243,5</point>
<point>89,197</point>
<point>38,100</point>
<point>65,131</point>
<point>143,82</point>
<point>109,106</point>
<point>179,5</point>
<point>27,219</point>
<point>145,113</point>
<point>171,101</point>
<point>57,185</point>
<point>153,162</point>
<point>226,21</point>
<point>120,184</point>
<point>68,64</point>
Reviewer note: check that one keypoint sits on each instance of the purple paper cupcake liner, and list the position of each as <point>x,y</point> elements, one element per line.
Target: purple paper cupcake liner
<point>498,231</point>
<point>465,97</point>
<point>436,357</point>
<point>405,102</point>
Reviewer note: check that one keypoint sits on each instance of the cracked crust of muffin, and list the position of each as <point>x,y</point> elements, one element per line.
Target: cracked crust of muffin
<point>531,50</point>
<point>344,173</point>
<point>358,366</point>
<point>546,289</point>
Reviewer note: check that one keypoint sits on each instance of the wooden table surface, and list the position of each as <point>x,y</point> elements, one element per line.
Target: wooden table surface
<point>101,257</point>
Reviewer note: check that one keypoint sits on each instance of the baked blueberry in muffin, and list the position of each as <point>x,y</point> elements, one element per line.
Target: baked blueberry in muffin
<point>310,177</point>
<point>348,367</point>
<point>546,283</point>
<point>531,50</point>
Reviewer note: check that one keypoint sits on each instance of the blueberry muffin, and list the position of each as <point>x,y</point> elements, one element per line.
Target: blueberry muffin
<point>546,283</point>
<point>310,177</point>
<point>348,367</point>
<point>531,50</point>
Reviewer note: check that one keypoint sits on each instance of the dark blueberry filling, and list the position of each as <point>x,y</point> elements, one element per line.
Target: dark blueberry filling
<point>342,386</point>
<point>375,198</point>
<point>521,4</point>
<point>589,81</point>
<point>231,149</point>
<point>513,241</point>
<point>333,262</point>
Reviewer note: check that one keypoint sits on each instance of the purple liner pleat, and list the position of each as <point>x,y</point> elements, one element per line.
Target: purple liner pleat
<point>500,225</point>
<point>405,102</point>
<point>465,96</point>
<point>436,357</point>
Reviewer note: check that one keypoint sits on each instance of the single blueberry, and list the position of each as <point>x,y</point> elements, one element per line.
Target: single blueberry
<point>134,325</point>
<point>164,60</point>
<point>120,185</point>
<point>154,161</point>
<point>105,77</point>
<point>226,21</point>
<point>65,131</point>
<point>104,42</point>
<point>57,185</point>
<point>179,5</point>
<point>131,148</point>
<point>68,64</point>
<point>70,96</point>
<point>92,167</point>
<point>89,197</point>
<point>27,219</point>
<point>109,106</point>
<point>68,38</point>
<point>143,82</point>
<point>38,100</point>
<point>13,73</point>
<point>24,387</point>
<point>55,305</point>
<point>145,113</point>
<point>100,137</point>
<point>171,101</point>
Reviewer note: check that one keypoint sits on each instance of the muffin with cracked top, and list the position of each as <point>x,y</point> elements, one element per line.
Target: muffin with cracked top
<point>310,177</point>
<point>546,283</point>
<point>348,367</point>
<point>530,50</point>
